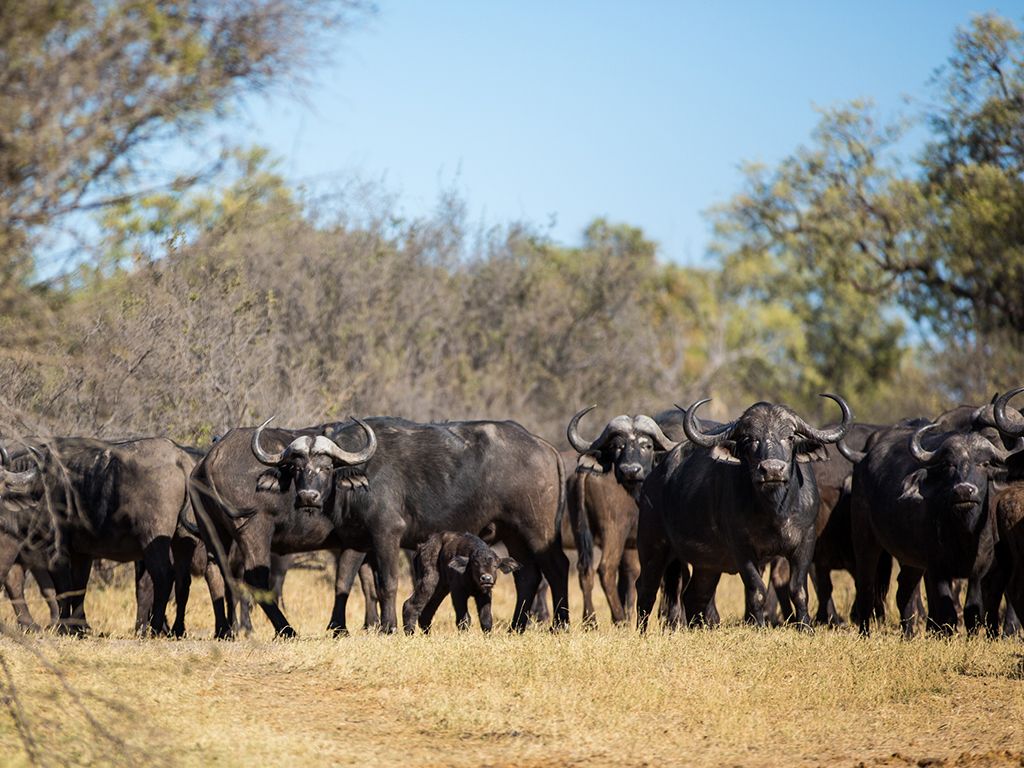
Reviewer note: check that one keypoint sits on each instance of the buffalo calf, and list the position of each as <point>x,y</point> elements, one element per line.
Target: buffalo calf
<point>462,564</point>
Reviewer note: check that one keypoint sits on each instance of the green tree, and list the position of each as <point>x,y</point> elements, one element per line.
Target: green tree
<point>92,94</point>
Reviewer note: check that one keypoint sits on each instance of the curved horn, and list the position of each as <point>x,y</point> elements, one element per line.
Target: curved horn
<point>270,459</point>
<point>833,435</point>
<point>693,431</point>
<point>342,456</point>
<point>848,453</point>
<point>999,411</point>
<point>650,426</point>
<point>916,449</point>
<point>572,431</point>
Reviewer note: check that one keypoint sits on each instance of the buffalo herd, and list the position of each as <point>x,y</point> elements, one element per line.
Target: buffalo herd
<point>673,501</point>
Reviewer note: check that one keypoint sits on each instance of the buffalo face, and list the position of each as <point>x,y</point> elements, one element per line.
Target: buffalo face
<point>482,566</point>
<point>956,473</point>
<point>311,462</point>
<point>627,445</point>
<point>767,439</point>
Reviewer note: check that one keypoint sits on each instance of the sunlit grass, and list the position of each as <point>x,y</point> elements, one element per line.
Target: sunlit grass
<point>733,695</point>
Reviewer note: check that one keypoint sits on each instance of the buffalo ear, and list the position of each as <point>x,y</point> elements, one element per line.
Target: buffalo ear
<point>272,480</point>
<point>458,563</point>
<point>724,452</point>
<point>589,463</point>
<point>507,565</point>
<point>810,450</point>
<point>912,485</point>
<point>1014,466</point>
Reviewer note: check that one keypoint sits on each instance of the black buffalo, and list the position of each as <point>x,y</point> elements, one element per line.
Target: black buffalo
<point>929,508</point>
<point>744,494</point>
<point>81,499</point>
<point>602,500</point>
<point>405,482</point>
<point>460,564</point>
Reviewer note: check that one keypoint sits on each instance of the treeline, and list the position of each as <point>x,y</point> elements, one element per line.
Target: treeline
<point>847,268</point>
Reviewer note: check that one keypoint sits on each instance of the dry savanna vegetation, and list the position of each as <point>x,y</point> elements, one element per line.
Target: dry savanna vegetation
<point>607,697</point>
<point>138,297</point>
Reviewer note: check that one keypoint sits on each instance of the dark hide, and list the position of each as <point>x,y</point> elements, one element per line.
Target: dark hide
<point>423,479</point>
<point>460,564</point>
<point>934,518</point>
<point>729,508</point>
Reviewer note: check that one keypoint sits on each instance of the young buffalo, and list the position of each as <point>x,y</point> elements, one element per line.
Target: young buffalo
<point>462,564</point>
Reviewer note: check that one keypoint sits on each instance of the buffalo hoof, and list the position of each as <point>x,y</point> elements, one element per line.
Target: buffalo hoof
<point>336,631</point>
<point>286,633</point>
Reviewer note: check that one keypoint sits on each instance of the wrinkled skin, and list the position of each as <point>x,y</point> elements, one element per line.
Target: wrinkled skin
<point>116,500</point>
<point>729,508</point>
<point>601,495</point>
<point>423,479</point>
<point>932,516</point>
<point>459,564</point>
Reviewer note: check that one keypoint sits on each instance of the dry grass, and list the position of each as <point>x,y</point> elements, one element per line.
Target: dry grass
<point>733,695</point>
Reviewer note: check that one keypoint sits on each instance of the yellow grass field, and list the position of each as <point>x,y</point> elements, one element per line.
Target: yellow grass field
<point>732,696</point>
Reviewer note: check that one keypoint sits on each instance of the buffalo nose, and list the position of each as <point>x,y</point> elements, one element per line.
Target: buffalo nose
<point>965,491</point>
<point>309,498</point>
<point>772,469</point>
<point>631,471</point>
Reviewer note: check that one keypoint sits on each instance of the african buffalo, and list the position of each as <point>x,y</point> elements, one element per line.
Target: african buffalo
<point>81,499</point>
<point>929,509</point>
<point>460,564</point>
<point>743,496</point>
<point>296,490</point>
<point>602,500</point>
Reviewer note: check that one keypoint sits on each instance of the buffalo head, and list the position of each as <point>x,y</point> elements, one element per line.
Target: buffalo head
<point>767,439</point>
<point>628,444</point>
<point>956,472</point>
<point>311,461</point>
<point>483,564</point>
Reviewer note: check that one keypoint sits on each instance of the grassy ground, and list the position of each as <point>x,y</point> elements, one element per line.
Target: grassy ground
<point>733,695</point>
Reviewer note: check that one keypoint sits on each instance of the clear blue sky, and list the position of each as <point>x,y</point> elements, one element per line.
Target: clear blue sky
<point>641,112</point>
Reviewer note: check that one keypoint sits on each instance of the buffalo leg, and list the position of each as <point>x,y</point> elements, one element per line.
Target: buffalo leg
<point>608,572</point>
<point>157,557</point>
<point>799,564</point>
<point>586,576</point>
<point>460,602</point>
<point>430,590</point>
<point>867,552</point>
<point>527,580</point>
<point>654,556</point>
<point>974,609</point>
<point>72,579</point>
<point>183,550</point>
<point>698,595</point>
<point>14,586</point>
<point>540,612</point>
<point>826,614</point>
<point>755,592</point>
<point>629,572</point>
<point>389,557</point>
<point>554,565</point>
<point>143,598</point>
<point>674,581</point>
<point>48,591</point>
<point>907,583</point>
<point>942,614</point>
<point>348,562</point>
<point>483,612</point>
<point>368,583</point>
